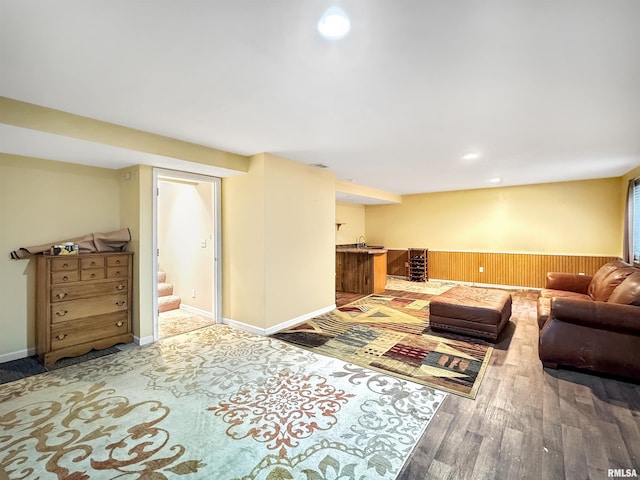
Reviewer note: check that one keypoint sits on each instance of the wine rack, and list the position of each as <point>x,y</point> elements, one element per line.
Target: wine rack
<point>417,270</point>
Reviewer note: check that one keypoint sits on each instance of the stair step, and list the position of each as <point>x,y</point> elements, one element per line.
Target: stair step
<point>165,289</point>
<point>170,302</point>
<point>162,277</point>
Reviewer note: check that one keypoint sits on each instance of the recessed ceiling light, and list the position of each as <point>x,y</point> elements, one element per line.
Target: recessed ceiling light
<point>471,156</point>
<point>495,180</point>
<point>334,24</point>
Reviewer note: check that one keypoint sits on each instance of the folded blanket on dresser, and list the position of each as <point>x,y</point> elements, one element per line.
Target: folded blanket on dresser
<point>92,242</point>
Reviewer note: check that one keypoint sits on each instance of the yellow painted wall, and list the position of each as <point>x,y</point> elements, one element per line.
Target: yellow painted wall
<point>40,202</point>
<point>136,213</point>
<point>352,218</point>
<point>624,185</point>
<point>278,225</point>
<point>243,281</point>
<point>635,173</point>
<point>582,218</point>
<point>299,233</point>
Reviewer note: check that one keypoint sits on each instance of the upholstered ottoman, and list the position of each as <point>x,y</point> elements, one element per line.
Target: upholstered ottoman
<point>479,312</point>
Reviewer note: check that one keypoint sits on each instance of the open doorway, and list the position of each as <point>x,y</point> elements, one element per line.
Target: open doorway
<point>187,242</point>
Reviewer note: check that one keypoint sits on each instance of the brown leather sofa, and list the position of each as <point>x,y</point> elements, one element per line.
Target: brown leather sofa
<point>592,322</point>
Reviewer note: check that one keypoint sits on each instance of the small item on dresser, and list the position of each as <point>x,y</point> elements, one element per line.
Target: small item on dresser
<point>69,248</point>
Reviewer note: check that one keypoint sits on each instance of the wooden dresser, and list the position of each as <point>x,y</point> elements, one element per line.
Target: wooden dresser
<point>83,302</point>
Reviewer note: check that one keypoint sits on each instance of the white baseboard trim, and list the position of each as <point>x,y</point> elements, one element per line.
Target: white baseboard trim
<point>301,318</point>
<point>243,326</point>
<point>197,311</point>
<point>8,357</point>
<point>143,340</point>
<point>281,326</point>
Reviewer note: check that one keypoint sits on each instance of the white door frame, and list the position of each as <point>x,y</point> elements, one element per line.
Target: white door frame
<point>159,173</point>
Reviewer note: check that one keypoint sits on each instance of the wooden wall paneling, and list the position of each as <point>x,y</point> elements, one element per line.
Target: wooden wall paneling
<point>516,269</point>
<point>397,262</point>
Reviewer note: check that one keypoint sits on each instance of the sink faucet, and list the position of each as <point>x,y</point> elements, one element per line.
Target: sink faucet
<point>361,243</point>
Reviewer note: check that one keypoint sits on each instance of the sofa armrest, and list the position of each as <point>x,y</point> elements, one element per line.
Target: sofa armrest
<point>569,282</point>
<point>613,317</point>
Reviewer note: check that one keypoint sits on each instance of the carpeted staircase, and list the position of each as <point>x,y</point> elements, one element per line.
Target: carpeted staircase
<point>166,299</point>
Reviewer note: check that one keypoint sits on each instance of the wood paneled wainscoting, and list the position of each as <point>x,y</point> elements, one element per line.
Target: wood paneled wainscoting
<point>397,262</point>
<point>513,269</point>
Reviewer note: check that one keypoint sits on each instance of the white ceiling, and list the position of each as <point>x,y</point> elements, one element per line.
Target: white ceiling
<point>545,90</point>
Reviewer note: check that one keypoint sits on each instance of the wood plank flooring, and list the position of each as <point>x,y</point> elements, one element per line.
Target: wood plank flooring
<point>528,422</point>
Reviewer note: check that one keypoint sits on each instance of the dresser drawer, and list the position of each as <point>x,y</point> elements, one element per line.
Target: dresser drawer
<point>92,262</point>
<point>86,307</point>
<point>65,334</point>
<point>92,274</point>
<point>72,292</point>
<point>117,260</point>
<point>64,277</point>
<point>64,264</point>
<point>117,272</point>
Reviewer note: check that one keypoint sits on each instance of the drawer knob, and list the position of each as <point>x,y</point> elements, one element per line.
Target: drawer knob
<point>93,275</point>
<point>62,313</point>
<point>61,295</point>
<point>65,265</point>
<point>65,278</point>
<point>120,287</point>
<point>62,336</point>
<point>117,273</point>
<point>120,323</point>
<point>120,303</point>
<point>93,264</point>
<point>117,262</point>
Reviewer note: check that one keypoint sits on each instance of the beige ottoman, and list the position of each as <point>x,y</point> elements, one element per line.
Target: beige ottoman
<point>479,312</point>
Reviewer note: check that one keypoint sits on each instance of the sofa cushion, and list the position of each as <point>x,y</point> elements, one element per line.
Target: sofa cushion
<point>550,293</point>
<point>569,282</point>
<point>607,278</point>
<point>628,292</point>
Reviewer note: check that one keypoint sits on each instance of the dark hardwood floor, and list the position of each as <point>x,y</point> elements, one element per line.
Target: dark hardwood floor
<point>528,422</point>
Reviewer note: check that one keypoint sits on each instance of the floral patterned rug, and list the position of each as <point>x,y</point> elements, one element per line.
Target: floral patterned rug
<point>217,403</point>
<point>176,322</point>
<point>391,334</point>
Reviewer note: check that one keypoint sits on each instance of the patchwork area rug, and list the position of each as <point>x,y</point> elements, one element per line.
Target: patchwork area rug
<point>391,334</point>
<point>216,403</point>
